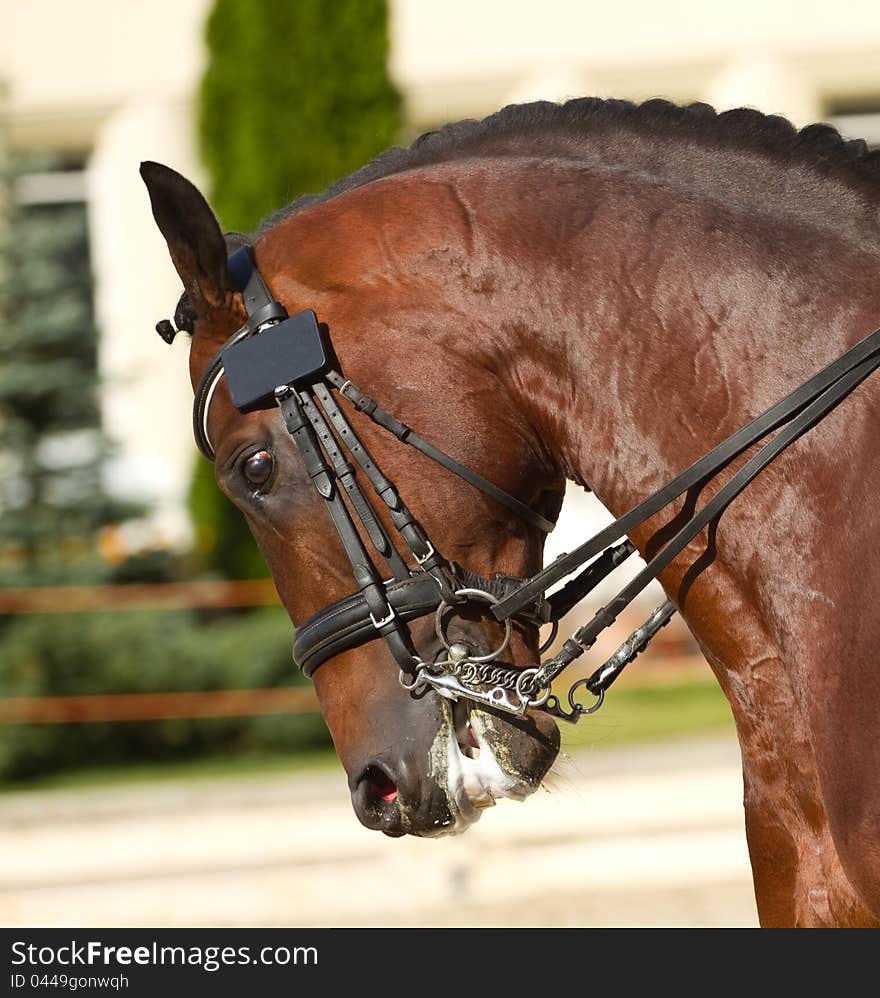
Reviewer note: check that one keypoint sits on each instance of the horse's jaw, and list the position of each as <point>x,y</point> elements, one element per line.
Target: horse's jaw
<point>474,768</point>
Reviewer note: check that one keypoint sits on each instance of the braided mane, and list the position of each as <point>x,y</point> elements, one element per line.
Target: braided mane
<point>759,162</point>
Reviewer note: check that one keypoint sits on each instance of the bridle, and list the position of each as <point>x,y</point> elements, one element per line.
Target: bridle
<point>288,361</point>
<point>276,359</point>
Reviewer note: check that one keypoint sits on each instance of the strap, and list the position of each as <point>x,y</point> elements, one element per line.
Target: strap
<point>370,408</point>
<point>585,637</point>
<point>346,624</point>
<point>346,478</point>
<point>705,467</point>
<point>381,613</point>
<point>405,523</point>
<point>261,309</point>
<point>259,304</point>
<point>565,599</point>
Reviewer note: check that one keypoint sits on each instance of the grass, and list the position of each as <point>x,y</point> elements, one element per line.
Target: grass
<point>645,713</point>
<point>630,714</point>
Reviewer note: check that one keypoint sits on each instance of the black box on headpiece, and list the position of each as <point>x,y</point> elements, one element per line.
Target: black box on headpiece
<point>292,352</point>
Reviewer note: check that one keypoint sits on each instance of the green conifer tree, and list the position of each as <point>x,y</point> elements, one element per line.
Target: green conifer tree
<point>294,96</point>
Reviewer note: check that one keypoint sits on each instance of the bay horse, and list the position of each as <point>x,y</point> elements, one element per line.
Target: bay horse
<point>595,291</point>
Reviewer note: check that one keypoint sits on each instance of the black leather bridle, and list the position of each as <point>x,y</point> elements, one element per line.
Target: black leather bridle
<point>277,359</point>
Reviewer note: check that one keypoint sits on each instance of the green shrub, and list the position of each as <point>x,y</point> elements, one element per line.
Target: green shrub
<point>146,652</point>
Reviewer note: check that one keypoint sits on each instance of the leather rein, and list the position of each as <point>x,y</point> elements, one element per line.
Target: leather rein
<point>277,359</point>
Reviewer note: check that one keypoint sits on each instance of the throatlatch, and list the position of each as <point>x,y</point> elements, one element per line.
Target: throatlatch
<point>291,364</point>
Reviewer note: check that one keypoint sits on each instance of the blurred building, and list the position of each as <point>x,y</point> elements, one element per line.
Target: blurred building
<point>108,83</point>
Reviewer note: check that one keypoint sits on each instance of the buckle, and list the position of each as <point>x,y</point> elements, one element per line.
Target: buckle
<point>428,554</point>
<point>378,624</point>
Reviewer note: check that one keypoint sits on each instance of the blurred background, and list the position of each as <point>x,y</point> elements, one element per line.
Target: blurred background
<point>161,762</point>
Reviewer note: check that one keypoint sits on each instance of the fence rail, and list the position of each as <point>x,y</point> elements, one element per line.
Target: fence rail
<point>677,664</point>
<point>157,706</point>
<point>210,594</point>
<point>206,594</point>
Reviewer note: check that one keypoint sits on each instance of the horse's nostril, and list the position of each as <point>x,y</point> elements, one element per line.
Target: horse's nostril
<point>380,786</point>
<point>377,802</point>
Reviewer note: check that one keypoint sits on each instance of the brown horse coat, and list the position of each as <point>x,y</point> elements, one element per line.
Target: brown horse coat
<point>603,293</point>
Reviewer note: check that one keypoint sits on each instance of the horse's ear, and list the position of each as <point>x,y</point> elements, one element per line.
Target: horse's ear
<point>195,242</point>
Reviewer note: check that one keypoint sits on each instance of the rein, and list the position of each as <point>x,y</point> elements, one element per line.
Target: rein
<point>277,359</point>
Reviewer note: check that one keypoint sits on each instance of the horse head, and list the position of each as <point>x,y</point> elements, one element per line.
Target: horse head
<point>375,274</point>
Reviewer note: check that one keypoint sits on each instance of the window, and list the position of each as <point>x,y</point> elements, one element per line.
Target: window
<point>51,446</point>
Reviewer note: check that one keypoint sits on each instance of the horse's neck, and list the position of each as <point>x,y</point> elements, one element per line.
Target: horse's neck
<point>668,327</point>
<point>633,325</point>
<point>678,322</point>
<point>665,339</point>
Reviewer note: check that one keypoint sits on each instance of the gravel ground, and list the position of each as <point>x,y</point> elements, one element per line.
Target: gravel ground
<point>646,836</point>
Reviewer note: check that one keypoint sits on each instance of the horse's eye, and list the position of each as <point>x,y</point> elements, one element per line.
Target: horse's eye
<point>257,468</point>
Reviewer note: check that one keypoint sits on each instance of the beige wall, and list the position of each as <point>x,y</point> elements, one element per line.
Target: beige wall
<point>70,64</point>
<point>788,56</point>
<point>116,79</point>
<point>147,394</point>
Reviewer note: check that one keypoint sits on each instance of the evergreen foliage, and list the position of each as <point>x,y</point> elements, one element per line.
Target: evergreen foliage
<point>294,96</point>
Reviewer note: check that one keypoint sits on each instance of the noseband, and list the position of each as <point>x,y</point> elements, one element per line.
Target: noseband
<point>277,359</point>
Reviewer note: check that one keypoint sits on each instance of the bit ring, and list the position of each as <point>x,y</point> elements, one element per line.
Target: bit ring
<point>486,597</point>
<point>579,708</point>
<point>522,681</point>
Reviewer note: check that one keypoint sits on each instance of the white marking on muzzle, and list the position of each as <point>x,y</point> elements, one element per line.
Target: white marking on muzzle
<point>471,785</point>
